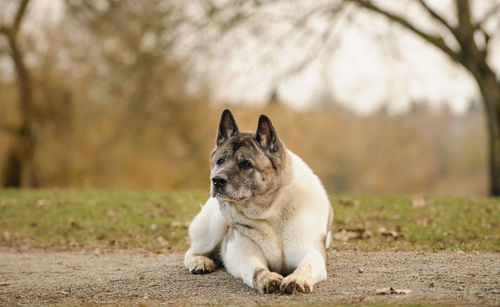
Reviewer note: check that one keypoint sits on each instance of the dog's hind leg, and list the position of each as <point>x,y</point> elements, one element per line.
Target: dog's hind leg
<point>205,233</point>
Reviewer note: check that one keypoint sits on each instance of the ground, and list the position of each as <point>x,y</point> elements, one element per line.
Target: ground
<point>134,276</point>
<point>70,247</point>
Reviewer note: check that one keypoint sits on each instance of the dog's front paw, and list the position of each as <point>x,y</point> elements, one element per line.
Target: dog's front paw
<point>295,283</point>
<point>201,265</point>
<point>266,281</point>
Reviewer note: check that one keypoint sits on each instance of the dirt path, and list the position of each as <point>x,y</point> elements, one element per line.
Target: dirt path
<point>38,277</point>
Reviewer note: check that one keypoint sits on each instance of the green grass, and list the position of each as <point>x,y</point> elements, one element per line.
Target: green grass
<point>158,220</point>
<point>442,223</point>
<point>53,218</point>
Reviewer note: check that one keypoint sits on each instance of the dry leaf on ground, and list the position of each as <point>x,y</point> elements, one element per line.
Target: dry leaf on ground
<point>162,241</point>
<point>348,202</point>
<point>418,202</point>
<point>175,224</point>
<point>391,290</point>
<point>43,202</point>
<point>6,236</point>
<point>345,235</point>
<point>395,234</point>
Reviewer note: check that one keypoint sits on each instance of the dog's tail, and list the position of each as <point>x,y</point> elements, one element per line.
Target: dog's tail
<point>328,238</point>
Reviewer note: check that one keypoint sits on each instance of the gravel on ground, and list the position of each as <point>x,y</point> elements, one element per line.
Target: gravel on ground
<point>41,276</point>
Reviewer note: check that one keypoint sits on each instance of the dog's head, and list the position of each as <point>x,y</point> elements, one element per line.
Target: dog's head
<point>246,167</point>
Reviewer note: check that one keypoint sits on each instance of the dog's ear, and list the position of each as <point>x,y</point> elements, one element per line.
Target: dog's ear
<point>266,135</point>
<point>227,127</point>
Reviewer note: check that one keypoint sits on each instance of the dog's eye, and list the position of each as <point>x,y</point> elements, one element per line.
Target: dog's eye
<point>245,164</point>
<point>220,161</point>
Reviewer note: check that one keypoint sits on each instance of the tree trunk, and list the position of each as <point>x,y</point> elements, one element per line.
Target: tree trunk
<point>494,156</point>
<point>22,153</point>
<point>12,170</point>
<point>472,58</point>
<point>490,91</point>
<point>475,60</point>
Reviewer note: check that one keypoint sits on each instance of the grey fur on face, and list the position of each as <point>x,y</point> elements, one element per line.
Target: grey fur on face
<point>246,167</point>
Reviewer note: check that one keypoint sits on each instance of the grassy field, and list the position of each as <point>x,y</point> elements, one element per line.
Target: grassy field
<point>159,220</point>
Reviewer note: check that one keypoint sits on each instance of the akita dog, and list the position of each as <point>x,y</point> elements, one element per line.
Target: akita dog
<point>268,218</point>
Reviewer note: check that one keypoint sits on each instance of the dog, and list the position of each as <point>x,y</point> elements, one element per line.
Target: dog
<point>268,218</point>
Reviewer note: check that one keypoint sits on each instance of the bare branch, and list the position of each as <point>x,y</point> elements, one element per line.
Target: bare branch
<point>312,53</point>
<point>480,24</point>
<point>11,31</point>
<point>465,27</point>
<point>322,43</point>
<point>8,128</point>
<point>435,40</point>
<point>492,12</point>
<point>486,36</point>
<point>4,30</point>
<point>437,16</point>
<point>19,16</point>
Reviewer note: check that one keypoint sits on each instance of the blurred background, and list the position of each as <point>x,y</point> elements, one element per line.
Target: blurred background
<point>386,97</point>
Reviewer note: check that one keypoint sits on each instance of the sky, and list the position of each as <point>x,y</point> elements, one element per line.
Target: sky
<point>372,62</point>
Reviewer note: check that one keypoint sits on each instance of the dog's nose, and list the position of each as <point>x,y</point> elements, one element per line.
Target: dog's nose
<point>219,181</point>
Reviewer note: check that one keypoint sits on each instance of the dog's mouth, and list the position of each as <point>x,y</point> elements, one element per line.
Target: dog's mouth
<point>218,193</point>
<point>239,200</point>
<point>221,194</point>
<point>223,197</point>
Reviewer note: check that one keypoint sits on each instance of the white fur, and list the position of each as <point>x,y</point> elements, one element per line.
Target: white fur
<point>287,238</point>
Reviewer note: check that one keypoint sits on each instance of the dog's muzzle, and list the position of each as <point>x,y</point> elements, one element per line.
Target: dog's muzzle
<point>218,185</point>
<point>219,182</point>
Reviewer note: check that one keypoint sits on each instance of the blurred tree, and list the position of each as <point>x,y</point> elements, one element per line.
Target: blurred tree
<point>470,49</point>
<point>20,169</point>
<point>112,98</point>
<point>135,53</point>
<point>133,45</point>
<point>124,65</point>
<point>471,55</point>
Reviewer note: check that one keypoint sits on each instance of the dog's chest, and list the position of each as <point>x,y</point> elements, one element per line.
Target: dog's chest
<point>268,238</point>
<point>266,233</point>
